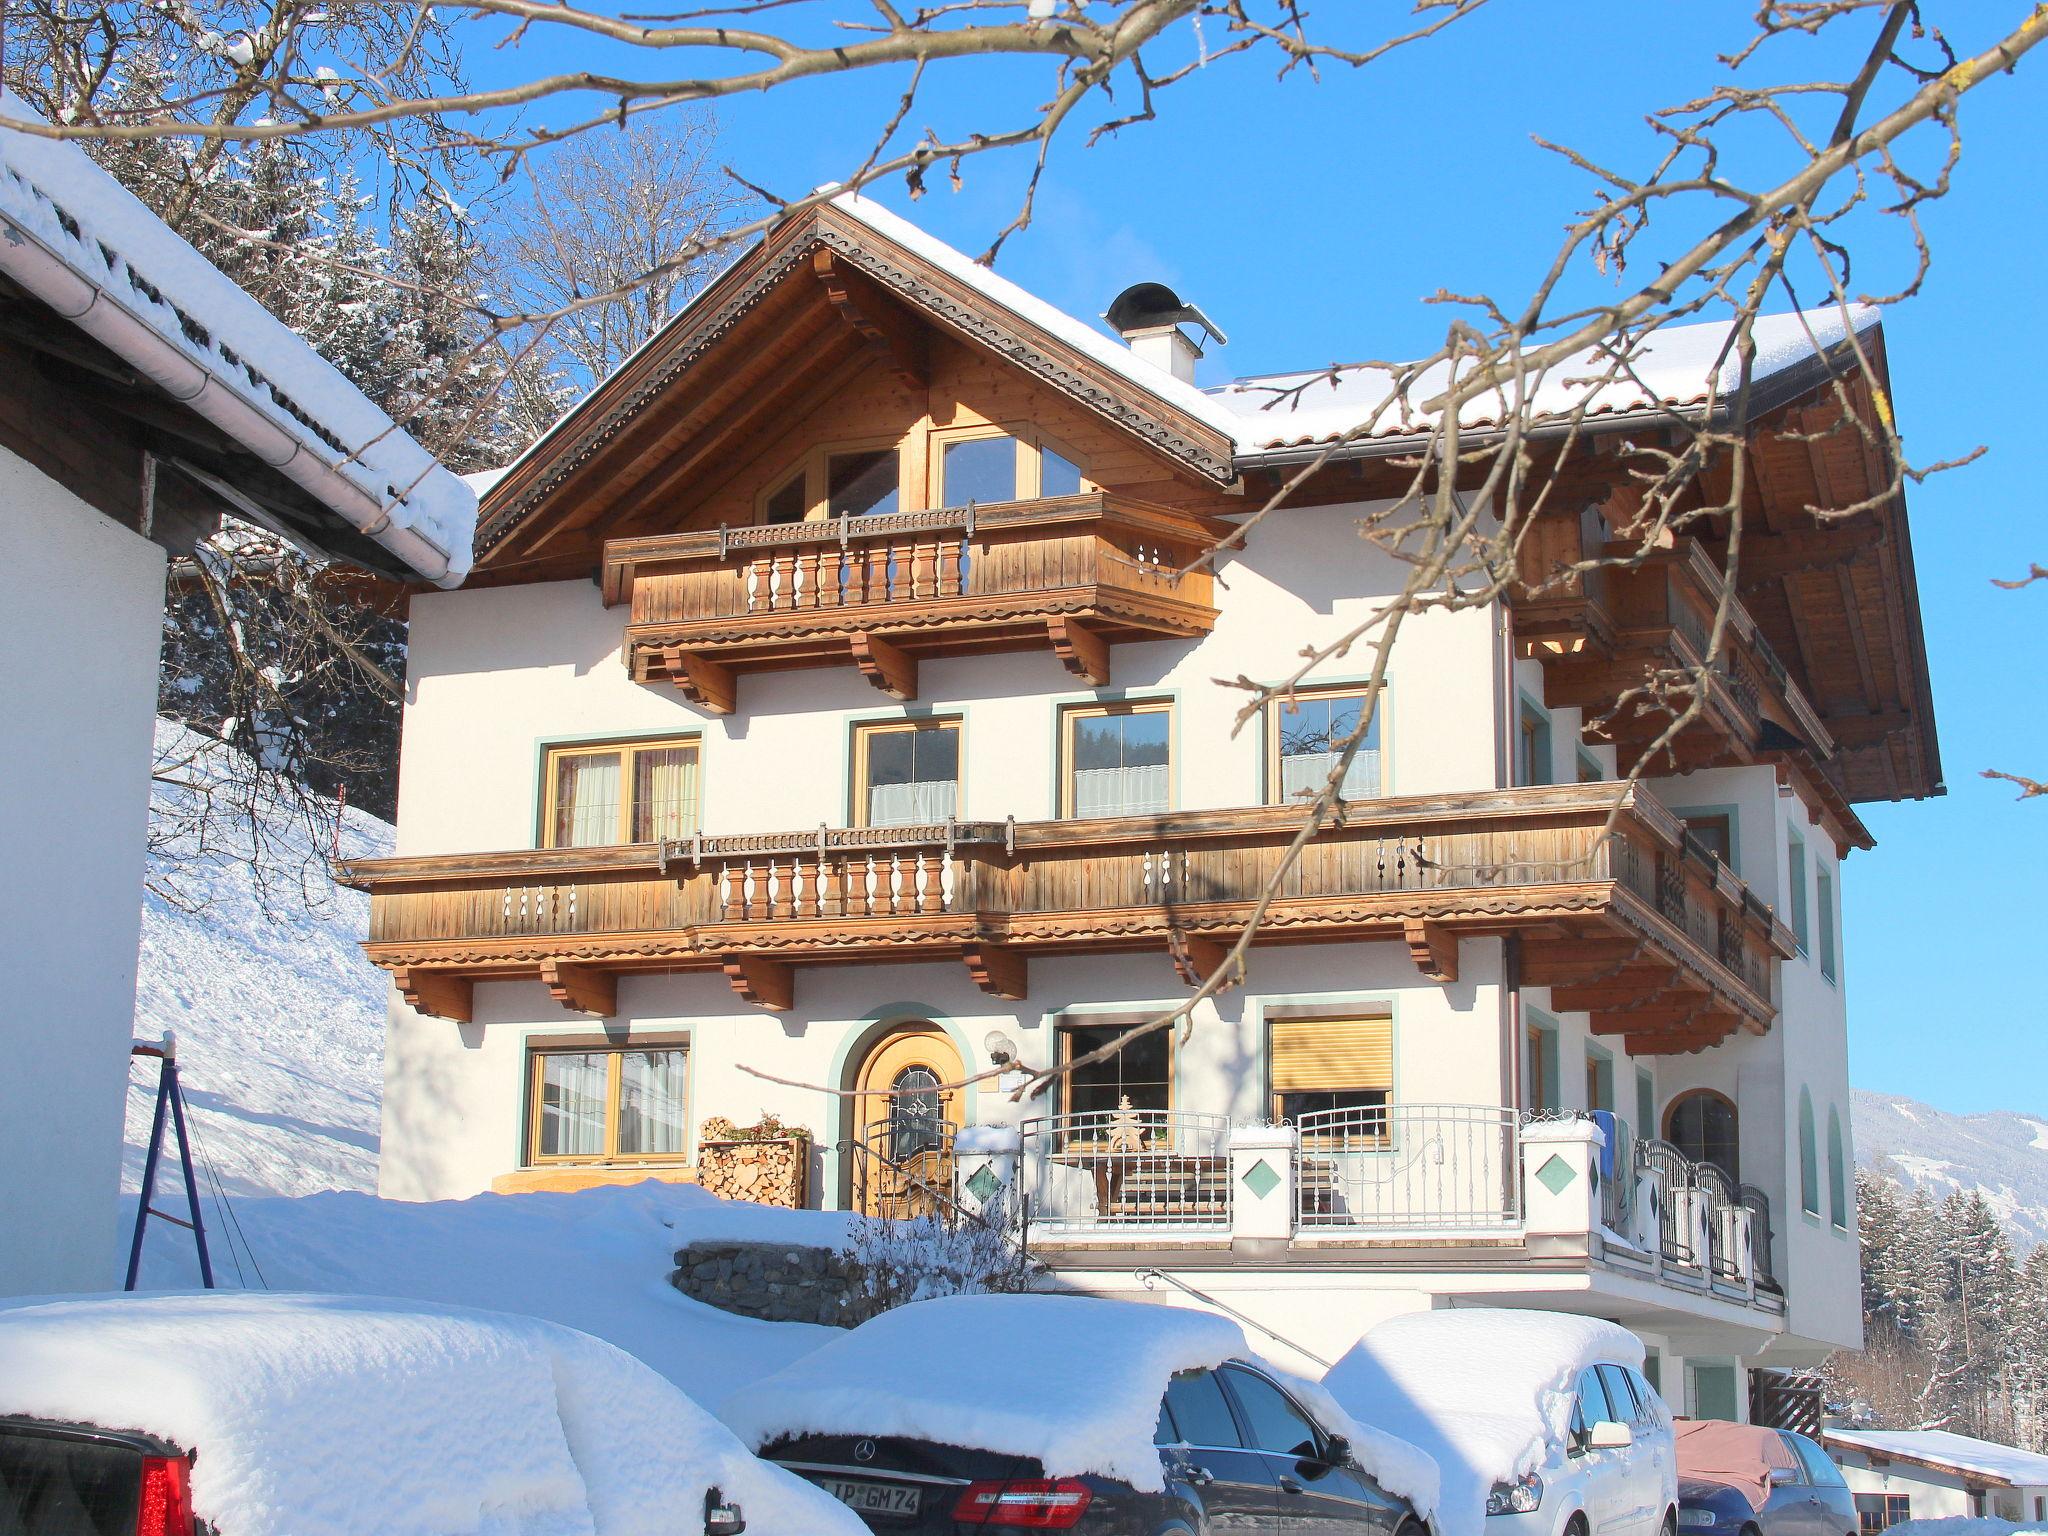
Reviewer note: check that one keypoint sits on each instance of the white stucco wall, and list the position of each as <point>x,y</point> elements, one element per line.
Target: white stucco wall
<point>83,604</point>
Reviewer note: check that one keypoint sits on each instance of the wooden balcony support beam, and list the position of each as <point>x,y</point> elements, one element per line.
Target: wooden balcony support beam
<point>705,683</point>
<point>1195,960</point>
<point>1647,1017</point>
<point>1582,960</point>
<point>885,665</point>
<point>1434,948</point>
<point>998,970</point>
<point>436,993</point>
<point>769,984</point>
<point>581,988</point>
<point>1080,649</point>
<point>1629,988</point>
<point>1710,1030</point>
<point>893,337</point>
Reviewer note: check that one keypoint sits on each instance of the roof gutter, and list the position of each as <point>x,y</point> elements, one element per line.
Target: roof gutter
<point>47,275</point>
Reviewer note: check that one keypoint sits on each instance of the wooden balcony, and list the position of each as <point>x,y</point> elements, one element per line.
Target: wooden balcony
<point>1603,632</point>
<point>1071,574</point>
<point>1661,944</point>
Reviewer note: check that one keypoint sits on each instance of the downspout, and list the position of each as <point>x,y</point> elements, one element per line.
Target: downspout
<point>51,279</point>
<point>1504,699</point>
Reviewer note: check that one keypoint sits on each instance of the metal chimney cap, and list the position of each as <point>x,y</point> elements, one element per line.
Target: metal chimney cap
<point>1149,306</point>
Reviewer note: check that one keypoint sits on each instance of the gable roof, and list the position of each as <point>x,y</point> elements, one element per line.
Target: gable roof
<point>88,248</point>
<point>1945,1450</point>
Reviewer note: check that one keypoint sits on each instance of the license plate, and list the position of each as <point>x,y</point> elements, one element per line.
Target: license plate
<point>874,1498</point>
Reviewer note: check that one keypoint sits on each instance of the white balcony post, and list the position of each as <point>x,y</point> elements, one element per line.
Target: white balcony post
<point>1653,1195</point>
<point>985,1167</point>
<point>1561,1184</point>
<point>1262,1195</point>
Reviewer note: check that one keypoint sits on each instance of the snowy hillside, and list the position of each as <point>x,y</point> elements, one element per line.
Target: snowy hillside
<point>279,1018</point>
<point>2002,1153</point>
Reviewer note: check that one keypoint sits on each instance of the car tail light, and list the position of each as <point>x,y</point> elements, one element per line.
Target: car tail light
<point>166,1505</point>
<point>1034,1503</point>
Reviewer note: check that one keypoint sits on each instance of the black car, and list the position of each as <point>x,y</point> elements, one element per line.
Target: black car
<point>74,1480</point>
<point>1238,1453</point>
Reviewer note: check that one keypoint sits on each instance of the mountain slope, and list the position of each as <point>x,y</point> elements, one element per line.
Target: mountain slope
<point>2002,1153</point>
<point>279,1018</point>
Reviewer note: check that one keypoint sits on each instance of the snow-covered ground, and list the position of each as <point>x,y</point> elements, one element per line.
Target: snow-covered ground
<point>279,1018</point>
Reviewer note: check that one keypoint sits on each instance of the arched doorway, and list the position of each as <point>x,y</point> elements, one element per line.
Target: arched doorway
<point>904,1121</point>
<point>1702,1124</point>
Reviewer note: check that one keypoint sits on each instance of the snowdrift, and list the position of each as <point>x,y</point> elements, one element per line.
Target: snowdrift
<point>331,1416</point>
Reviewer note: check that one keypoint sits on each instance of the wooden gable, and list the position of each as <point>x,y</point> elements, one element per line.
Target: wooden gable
<point>825,333</point>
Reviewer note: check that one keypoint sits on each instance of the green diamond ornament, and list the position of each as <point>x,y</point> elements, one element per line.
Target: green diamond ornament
<point>983,1183</point>
<point>1260,1179</point>
<point>1556,1175</point>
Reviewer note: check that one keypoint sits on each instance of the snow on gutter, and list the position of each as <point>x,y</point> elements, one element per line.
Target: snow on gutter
<point>82,244</point>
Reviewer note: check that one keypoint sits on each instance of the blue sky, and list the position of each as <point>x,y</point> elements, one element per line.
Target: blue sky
<point>1311,220</point>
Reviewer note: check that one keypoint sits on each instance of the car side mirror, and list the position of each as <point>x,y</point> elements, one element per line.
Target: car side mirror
<point>1781,1475</point>
<point>722,1516</point>
<point>1609,1435</point>
<point>1338,1450</point>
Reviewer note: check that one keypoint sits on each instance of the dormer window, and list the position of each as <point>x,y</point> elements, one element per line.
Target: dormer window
<point>863,483</point>
<point>983,465</point>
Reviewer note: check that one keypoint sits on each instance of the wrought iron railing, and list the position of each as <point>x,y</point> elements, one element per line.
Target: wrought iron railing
<point>903,1168</point>
<point>1662,1157</point>
<point>1127,1168</point>
<point>1758,1204</point>
<point>1429,1167</point>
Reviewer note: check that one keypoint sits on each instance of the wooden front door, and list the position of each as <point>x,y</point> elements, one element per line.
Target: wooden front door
<point>906,1120</point>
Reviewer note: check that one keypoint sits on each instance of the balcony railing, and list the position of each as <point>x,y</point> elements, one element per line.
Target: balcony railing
<point>1126,1168</point>
<point>1074,574</point>
<point>1428,870</point>
<point>1415,1167</point>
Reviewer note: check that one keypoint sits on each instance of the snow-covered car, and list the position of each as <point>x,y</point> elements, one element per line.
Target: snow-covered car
<point>1540,1423</point>
<point>1099,1418</point>
<point>294,1415</point>
<point>1750,1480</point>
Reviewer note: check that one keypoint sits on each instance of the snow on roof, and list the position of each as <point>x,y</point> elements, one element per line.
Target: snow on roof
<point>1073,1381</point>
<point>1948,1449</point>
<point>481,480</point>
<point>348,451</point>
<point>1486,1392</point>
<point>1675,367</point>
<point>330,1416</point>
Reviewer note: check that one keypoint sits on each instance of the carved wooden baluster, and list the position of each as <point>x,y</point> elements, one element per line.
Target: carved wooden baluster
<point>832,892</point>
<point>924,569</point>
<point>784,900</point>
<point>746,884</point>
<point>934,893</point>
<point>830,558</point>
<point>751,581</point>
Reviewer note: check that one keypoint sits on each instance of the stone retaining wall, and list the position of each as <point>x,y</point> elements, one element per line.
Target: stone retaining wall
<point>773,1281</point>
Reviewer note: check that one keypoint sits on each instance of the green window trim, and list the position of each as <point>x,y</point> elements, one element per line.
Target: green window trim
<point>1809,1157</point>
<point>1838,1172</point>
<point>1824,918</point>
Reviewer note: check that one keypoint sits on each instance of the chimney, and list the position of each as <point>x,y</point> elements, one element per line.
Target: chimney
<point>1152,319</point>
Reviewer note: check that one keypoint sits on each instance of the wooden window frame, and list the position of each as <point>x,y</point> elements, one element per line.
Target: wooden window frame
<point>1533,720</point>
<point>614,1054</point>
<point>1349,1016</point>
<point>1063,1050</point>
<point>1357,691</point>
<point>1103,709</point>
<point>1668,1121</point>
<point>813,466</point>
<point>1540,1039</point>
<point>865,730</point>
<point>1031,446</point>
<point>627,748</point>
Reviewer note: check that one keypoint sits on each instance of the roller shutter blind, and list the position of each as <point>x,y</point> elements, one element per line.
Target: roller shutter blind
<point>1312,1055</point>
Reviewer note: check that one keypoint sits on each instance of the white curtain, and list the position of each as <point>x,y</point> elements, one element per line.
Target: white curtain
<point>572,1105</point>
<point>664,794</point>
<point>905,805</point>
<point>1120,791</point>
<point>653,1111</point>
<point>587,800</point>
<point>1305,773</point>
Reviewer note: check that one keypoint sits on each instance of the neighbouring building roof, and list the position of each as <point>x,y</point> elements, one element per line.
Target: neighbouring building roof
<point>84,245</point>
<point>1945,1450</point>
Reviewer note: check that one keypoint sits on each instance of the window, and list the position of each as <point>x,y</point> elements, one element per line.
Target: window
<point>1599,1080</point>
<point>1820,1471</point>
<point>1306,737</point>
<point>984,466</point>
<point>863,483</point>
<point>978,469</point>
<point>1590,771</point>
<point>917,1113</point>
<point>1276,1424</point>
<point>789,503</point>
<point>627,792</point>
<point>1809,1158</point>
<point>1650,1404</point>
<point>1881,1511</point>
<point>1339,1067</point>
<point>1712,834</point>
<point>1200,1413</point>
<point>608,1105</point>
<point>1824,915</point>
<point>1139,1072</point>
<point>1622,1398</point>
<point>1795,887</point>
<point>1838,1176</point>
<point>1591,1406</point>
<point>1702,1124</point>
<point>1117,760</point>
<point>1543,1083</point>
<point>1646,1101</point>
<point>1532,746</point>
<point>906,773</point>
